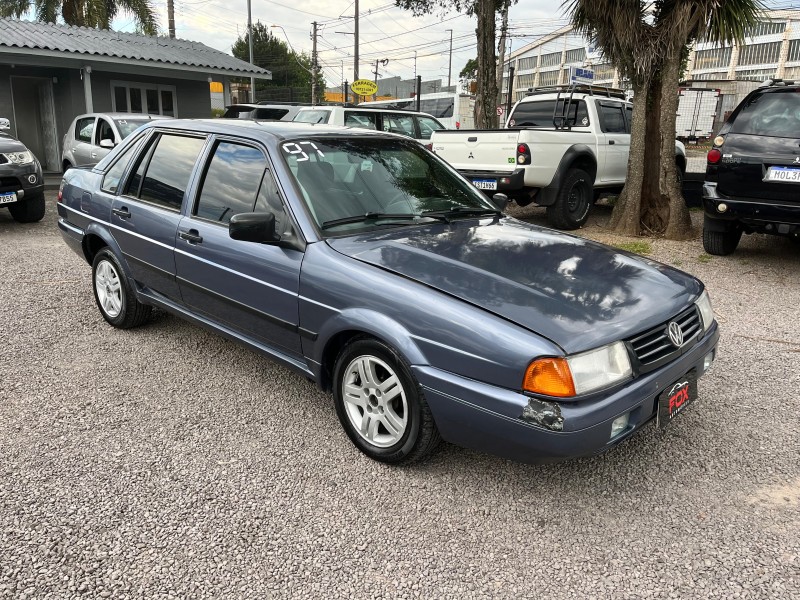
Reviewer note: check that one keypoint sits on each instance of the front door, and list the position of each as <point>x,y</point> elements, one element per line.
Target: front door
<point>252,288</point>
<point>615,141</point>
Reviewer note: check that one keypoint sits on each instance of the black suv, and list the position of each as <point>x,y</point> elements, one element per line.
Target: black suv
<point>753,173</point>
<point>21,181</point>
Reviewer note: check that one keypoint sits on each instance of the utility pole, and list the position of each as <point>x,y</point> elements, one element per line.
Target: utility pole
<point>343,84</point>
<point>250,43</point>
<point>355,50</point>
<point>314,66</point>
<point>171,18</point>
<point>384,62</point>
<point>450,63</point>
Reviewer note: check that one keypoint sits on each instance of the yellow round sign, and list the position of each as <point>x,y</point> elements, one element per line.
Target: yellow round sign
<point>364,87</point>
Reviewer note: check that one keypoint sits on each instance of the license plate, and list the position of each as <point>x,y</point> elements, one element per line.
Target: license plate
<point>8,197</point>
<point>675,398</point>
<point>783,175</point>
<point>485,184</point>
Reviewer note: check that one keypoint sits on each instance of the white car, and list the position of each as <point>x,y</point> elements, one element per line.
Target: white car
<point>92,136</point>
<point>417,125</point>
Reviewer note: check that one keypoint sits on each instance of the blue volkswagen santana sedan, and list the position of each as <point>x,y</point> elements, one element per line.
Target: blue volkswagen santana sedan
<point>361,260</point>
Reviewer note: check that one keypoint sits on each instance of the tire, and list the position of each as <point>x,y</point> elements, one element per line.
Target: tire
<point>28,210</point>
<point>114,294</point>
<point>397,422</point>
<point>66,166</point>
<point>721,243</point>
<point>574,199</point>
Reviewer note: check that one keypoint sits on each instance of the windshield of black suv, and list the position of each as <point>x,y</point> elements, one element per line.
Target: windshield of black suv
<point>775,113</point>
<point>540,113</point>
<point>377,182</point>
<point>128,126</point>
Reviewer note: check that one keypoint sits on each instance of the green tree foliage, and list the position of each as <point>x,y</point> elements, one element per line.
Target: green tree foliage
<point>646,41</point>
<point>289,69</point>
<point>84,13</point>
<point>469,74</point>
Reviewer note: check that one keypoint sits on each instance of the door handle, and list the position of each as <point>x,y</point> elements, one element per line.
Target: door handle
<point>192,236</point>
<point>611,142</point>
<point>94,154</point>
<point>122,212</point>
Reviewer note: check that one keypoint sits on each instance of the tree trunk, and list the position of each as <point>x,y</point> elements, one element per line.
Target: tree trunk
<point>501,52</point>
<point>625,218</point>
<point>679,222</point>
<point>653,211</point>
<point>485,113</point>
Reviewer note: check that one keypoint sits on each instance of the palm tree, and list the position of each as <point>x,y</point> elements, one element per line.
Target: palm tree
<point>647,43</point>
<point>86,13</point>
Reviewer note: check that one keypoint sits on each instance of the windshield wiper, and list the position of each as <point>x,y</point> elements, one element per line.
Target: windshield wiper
<point>465,211</point>
<point>375,216</point>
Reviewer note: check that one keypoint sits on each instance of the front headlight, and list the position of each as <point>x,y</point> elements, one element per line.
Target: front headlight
<point>706,312</point>
<point>19,158</point>
<point>580,373</point>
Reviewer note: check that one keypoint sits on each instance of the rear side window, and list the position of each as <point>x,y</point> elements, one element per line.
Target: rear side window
<point>541,112</point>
<point>360,119</point>
<point>84,129</point>
<point>114,174</point>
<point>271,114</point>
<point>775,114</point>
<point>166,176</point>
<point>231,182</point>
<point>312,116</point>
<point>403,124</point>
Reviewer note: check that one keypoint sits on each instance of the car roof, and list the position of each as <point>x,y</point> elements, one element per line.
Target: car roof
<point>122,116</point>
<point>366,109</point>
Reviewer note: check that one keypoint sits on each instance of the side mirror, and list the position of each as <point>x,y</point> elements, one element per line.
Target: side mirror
<point>256,227</point>
<point>107,143</point>
<point>500,201</point>
<point>5,123</point>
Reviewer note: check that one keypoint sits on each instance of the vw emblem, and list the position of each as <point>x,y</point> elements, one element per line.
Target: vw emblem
<point>675,334</point>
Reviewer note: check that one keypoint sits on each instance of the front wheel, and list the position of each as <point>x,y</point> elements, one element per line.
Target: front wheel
<point>28,210</point>
<point>380,404</point>
<point>574,198</point>
<point>114,294</point>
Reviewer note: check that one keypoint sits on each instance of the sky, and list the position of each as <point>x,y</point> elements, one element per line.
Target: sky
<point>385,31</point>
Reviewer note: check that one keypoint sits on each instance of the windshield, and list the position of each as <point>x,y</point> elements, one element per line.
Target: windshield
<point>395,178</point>
<point>775,114</point>
<point>312,116</point>
<point>128,126</point>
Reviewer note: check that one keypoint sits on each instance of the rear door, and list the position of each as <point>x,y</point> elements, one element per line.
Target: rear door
<point>761,153</point>
<point>613,140</point>
<point>145,216</point>
<point>82,141</point>
<point>251,288</point>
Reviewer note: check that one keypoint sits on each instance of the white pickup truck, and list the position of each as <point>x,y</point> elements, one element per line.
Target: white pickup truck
<point>562,147</point>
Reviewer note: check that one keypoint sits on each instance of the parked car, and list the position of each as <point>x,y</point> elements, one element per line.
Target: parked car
<point>753,174</point>
<point>417,125</point>
<point>21,181</point>
<point>365,263</point>
<point>261,112</point>
<point>91,136</point>
<point>562,147</point>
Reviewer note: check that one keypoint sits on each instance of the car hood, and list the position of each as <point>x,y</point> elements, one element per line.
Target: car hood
<point>577,293</point>
<point>10,144</point>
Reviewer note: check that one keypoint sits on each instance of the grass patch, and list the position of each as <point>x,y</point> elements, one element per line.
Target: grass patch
<point>638,247</point>
<point>704,258</point>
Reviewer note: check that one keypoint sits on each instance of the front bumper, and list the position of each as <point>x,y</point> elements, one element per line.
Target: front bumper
<point>25,180</point>
<point>757,214</point>
<point>506,182</point>
<point>487,418</point>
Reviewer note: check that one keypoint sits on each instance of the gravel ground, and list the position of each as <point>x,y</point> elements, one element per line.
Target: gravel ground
<point>167,462</point>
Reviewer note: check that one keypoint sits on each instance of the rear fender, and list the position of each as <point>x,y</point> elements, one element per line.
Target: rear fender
<point>95,230</point>
<point>577,156</point>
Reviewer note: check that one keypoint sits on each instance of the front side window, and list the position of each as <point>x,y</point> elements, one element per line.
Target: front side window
<point>543,112</point>
<point>366,177</point>
<point>231,182</point>
<point>84,128</point>
<point>166,176</point>
<point>775,114</point>
<point>427,126</point>
<point>312,116</point>
<point>271,114</point>
<point>104,132</point>
<point>403,124</point>
<point>613,118</point>
<point>360,119</point>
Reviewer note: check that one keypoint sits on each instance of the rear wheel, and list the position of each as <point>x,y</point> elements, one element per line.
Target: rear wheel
<point>721,242</point>
<point>575,197</point>
<point>28,210</point>
<point>114,294</point>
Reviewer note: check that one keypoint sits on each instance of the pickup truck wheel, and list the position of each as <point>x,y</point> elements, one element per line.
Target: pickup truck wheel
<point>114,294</point>
<point>721,243</point>
<point>381,405</point>
<point>28,210</point>
<point>571,208</point>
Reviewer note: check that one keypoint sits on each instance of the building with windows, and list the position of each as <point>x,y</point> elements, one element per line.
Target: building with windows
<point>772,49</point>
<point>50,73</point>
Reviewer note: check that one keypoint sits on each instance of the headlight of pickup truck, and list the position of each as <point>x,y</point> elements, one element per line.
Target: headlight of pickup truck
<point>579,373</point>
<point>706,312</point>
<point>19,158</point>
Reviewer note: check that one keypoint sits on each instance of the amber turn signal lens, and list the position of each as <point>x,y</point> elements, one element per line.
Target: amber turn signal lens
<point>549,376</point>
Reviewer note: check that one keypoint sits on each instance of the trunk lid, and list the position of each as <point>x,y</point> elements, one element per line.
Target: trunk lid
<point>479,150</point>
<point>746,161</point>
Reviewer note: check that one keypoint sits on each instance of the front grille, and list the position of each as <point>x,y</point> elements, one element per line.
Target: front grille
<point>654,348</point>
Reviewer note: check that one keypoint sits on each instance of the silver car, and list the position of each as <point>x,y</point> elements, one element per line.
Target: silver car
<point>92,136</point>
